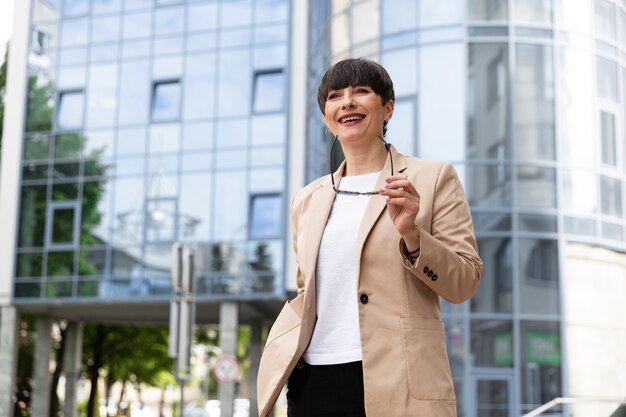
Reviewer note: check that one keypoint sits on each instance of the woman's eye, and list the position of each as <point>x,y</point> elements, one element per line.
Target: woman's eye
<point>362,90</point>
<point>332,96</point>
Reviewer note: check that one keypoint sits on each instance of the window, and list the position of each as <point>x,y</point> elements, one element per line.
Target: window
<point>606,73</point>
<point>39,41</point>
<point>166,101</point>
<point>611,196</point>
<point>265,216</point>
<point>542,264</point>
<point>71,110</point>
<point>607,132</point>
<point>495,80</point>
<point>269,91</point>
<point>62,229</point>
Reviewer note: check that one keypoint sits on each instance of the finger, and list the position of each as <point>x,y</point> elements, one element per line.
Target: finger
<point>402,183</point>
<point>404,202</point>
<point>399,192</point>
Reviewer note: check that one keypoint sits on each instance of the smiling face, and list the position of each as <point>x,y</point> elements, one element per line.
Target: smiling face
<point>356,112</point>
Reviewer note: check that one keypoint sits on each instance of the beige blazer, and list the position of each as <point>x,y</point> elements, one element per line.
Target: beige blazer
<point>405,364</point>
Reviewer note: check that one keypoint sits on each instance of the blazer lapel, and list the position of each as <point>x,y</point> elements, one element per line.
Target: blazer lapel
<point>377,203</point>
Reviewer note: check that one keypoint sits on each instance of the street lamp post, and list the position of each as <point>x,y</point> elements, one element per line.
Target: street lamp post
<point>182,315</point>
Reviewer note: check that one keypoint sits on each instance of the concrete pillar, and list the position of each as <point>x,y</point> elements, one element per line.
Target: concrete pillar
<point>255,357</point>
<point>229,324</point>
<point>9,324</point>
<point>71,360</point>
<point>41,369</point>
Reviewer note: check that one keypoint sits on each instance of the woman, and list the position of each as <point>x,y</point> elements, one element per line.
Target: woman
<point>377,243</point>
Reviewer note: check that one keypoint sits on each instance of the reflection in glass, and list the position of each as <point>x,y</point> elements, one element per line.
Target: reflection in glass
<point>137,25</point>
<point>60,263</point>
<point>403,132</point>
<point>496,289</point>
<point>197,136</point>
<point>491,221</point>
<point>28,264</point>
<point>265,216</point>
<point>166,101</point>
<point>539,276</point>
<point>131,141</point>
<point>489,185</point>
<point>402,67</point>
<point>234,83</point>
<point>96,211</point>
<point>269,129</point>
<point>235,13</point>
<point>605,18</point>
<point>161,219</point>
<point>71,108</point>
<point>199,86</point>
<point>533,11</point>
<point>169,20</point>
<point>202,17</point>
<point>264,260</point>
<point>134,95</point>
<point>492,343</point>
<point>267,180</point>
<point>231,217</point>
<point>606,78</point>
<point>393,21</point>
<point>576,98</point>
<point>232,133</point>
<point>169,67</point>
<point>273,156</point>
<point>106,6</point>
<point>105,29</point>
<point>540,346</point>
<point>536,187</point>
<point>92,262</point>
<point>75,7</point>
<point>271,11</point>
<point>195,206</point>
<point>270,34</point>
<point>128,211</point>
<point>488,9</point>
<point>488,121</point>
<point>608,137</point>
<point>55,289</point>
<point>534,103</point>
<point>62,221</point>
<point>36,147</point>
<point>269,91</point>
<point>164,138</point>
<point>27,289</point>
<point>574,16</point>
<point>32,216</point>
<point>102,103</point>
<point>537,223</point>
<point>270,57</point>
<point>126,262</point>
<point>74,32</point>
<point>493,397</point>
<point>578,226</point>
<point>611,196</point>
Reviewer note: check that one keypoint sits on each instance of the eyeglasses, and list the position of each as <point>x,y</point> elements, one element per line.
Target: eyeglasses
<point>346,192</point>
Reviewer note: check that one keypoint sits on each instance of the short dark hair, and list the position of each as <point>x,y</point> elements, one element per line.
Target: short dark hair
<point>352,72</point>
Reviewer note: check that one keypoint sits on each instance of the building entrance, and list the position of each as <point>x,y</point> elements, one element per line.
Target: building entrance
<point>492,395</point>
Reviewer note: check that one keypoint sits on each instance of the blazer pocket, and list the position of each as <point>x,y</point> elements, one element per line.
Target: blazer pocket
<point>288,319</point>
<point>426,359</point>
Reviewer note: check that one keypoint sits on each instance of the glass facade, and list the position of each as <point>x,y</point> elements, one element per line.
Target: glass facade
<point>526,99</point>
<point>150,122</point>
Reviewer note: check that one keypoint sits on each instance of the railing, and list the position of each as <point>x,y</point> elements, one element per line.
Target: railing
<point>573,400</point>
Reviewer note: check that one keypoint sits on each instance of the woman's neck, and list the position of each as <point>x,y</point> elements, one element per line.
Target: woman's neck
<point>364,159</point>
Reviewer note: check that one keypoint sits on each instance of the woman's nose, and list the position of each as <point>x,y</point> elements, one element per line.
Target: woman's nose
<point>347,102</point>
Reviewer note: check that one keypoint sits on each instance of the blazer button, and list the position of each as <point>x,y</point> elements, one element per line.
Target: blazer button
<point>426,270</point>
<point>430,273</point>
<point>434,277</point>
<point>364,298</point>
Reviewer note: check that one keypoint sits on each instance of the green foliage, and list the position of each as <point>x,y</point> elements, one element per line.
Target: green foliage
<point>25,358</point>
<point>40,103</point>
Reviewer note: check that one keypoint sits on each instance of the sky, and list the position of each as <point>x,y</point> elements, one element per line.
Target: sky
<point>6,24</point>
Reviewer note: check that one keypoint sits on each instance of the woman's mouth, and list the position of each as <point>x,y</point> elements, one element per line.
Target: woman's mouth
<point>351,119</point>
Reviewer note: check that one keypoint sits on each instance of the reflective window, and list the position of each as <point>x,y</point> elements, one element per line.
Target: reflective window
<point>270,57</point>
<point>137,4</point>
<point>533,11</point>
<point>540,348</point>
<point>269,91</point>
<point>267,180</point>
<point>75,7</point>
<point>576,98</point>
<point>70,110</point>
<point>489,185</point>
<point>200,81</point>
<point>202,17</point>
<point>488,9</point>
<point>574,16</point>
<point>106,6</point>
<point>74,32</point>
<point>537,223</point>
<point>492,343</point>
<point>231,217</point>
<point>161,218</point>
<point>232,133</point>
<point>36,147</point>
<point>234,84</point>
<point>265,259</point>
<point>32,216</point>
<point>367,28</point>
<point>128,211</point>
<point>96,210</point>
<point>137,25</point>
<point>134,95</point>
<point>131,141</point>
<point>62,218</point>
<point>606,79</point>
<point>271,34</point>
<point>269,129</point>
<point>488,121</point>
<point>605,18</point>
<point>197,136</point>
<point>28,264</point>
<point>102,104</point>
<point>236,13</point>
<point>490,221</point>
<point>611,196</point>
<point>496,290</point>
<point>536,187</point>
<point>534,103</point>
<point>169,21</point>
<point>105,29</point>
<point>268,11</point>
<point>60,263</point>
<point>92,262</point>
<point>539,276</point>
<point>67,146</point>
<point>166,101</point>
<point>265,216</point>
<point>164,138</point>
<point>167,68</point>
<point>608,136</point>
<point>402,131</point>
<point>402,67</point>
<point>195,206</point>
<point>98,144</point>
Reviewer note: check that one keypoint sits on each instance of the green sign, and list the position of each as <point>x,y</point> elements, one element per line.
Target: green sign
<point>503,349</point>
<point>543,348</point>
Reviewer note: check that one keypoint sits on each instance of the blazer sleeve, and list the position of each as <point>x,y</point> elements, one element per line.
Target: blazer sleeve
<point>448,261</point>
<point>294,240</point>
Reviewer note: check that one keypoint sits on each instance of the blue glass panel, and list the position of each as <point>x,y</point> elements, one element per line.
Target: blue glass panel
<point>269,92</point>
<point>265,216</point>
<point>166,102</point>
<point>74,32</point>
<point>71,109</point>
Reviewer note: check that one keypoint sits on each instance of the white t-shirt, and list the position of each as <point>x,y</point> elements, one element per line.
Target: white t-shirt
<point>336,337</point>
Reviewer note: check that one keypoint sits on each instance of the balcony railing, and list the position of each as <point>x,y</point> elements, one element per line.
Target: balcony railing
<point>574,400</point>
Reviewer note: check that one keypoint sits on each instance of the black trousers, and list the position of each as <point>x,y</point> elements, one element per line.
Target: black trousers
<point>326,390</point>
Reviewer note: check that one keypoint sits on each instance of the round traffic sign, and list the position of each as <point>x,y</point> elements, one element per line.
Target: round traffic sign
<point>226,369</point>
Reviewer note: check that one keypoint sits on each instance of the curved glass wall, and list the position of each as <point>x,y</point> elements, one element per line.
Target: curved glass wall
<point>526,99</point>
<point>150,122</point>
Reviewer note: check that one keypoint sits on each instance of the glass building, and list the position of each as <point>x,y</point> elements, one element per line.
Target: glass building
<point>153,121</point>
